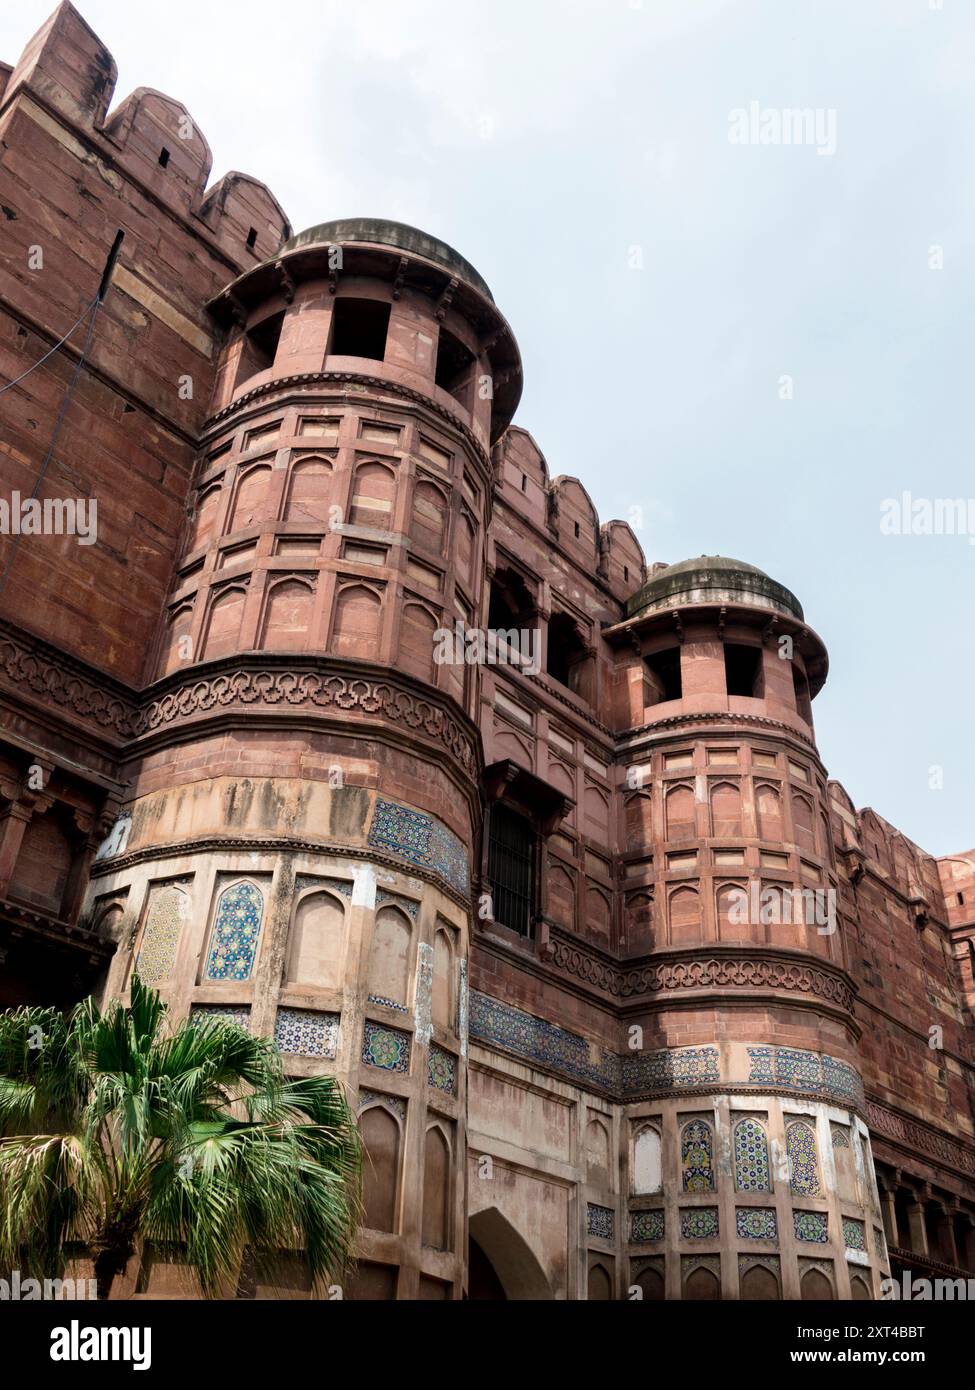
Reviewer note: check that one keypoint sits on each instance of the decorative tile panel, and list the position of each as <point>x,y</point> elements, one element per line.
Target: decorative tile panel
<point>646,1226</point>
<point>600,1221</point>
<point>854,1234</point>
<point>419,838</point>
<point>696,1157</point>
<point>394,1103</point>
<point>306,1032</point>
<point>160,937</point>
<point>800,1143</point>
<point>332,885</point>
<point>236,931</point>
<point>387,1003</point>
<point>811,1226</point>
<point>756,1223</point>
<point>633,1076</point>
<point>442,1070</point>
<point>699,1223</point>
<point>752,1172</point>
<point>788,1068</point>
<point>386,1048</point>
<point>235,1013</point>
<point>407,905</point>
<point>840,1138</point>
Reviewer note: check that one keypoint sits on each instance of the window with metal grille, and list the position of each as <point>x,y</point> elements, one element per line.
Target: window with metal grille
<point>511,868</point>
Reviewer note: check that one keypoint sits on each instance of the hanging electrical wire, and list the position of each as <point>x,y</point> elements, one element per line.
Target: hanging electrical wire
<point>92,309</point>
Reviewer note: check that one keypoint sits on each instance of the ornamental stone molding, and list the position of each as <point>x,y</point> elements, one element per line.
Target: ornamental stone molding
<point>304,383</point>
<point>262,683</point>
<point>912,1134</point>
<point>705,968</point>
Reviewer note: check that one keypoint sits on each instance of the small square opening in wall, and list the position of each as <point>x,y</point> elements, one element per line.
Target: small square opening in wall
<point>359,328</point>
<point>663,680</point>
<point>743,670</point>
<point>163,157</point>
<point>252,238</point>
<point>455,366</point>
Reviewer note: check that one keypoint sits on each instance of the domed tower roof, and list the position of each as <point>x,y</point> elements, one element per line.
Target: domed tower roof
<point>710,579</point>
<point>379,231</point>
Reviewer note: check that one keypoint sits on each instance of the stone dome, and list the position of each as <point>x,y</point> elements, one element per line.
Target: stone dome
<point>380,231</point>
<point>712,579</point>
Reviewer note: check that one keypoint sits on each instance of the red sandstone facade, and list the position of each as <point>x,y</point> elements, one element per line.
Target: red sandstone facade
<point>528,908</point>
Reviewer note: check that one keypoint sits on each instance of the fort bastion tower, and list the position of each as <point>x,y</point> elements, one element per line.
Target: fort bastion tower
<point>630,1000</point>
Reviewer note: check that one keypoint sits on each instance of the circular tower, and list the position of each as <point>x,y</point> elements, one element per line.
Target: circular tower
<point>764,1188</point>
<point>296,850</point>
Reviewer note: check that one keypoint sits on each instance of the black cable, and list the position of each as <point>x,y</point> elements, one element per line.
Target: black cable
<point>17,379</point>
<point>92,309</point>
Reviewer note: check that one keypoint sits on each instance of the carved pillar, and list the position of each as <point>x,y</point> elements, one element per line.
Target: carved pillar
<point>918,1236</point>
<point>888,1211</point>
<point>946,1235</point>
<point>12,828</point>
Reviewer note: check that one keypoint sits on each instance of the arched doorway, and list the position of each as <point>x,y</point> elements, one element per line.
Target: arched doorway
<point>501,1264</point>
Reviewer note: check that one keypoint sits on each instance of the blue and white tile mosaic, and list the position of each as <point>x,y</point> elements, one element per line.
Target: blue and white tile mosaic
<point>699,1223</point>
<point>756,1223</point>
<point>787,1068</point>
<point>387,1003</point>
<point>800,1144</point>
<point>333,885</point>
<point>160,937</point>
<point>854,1234</point>
<point>635,1075</point>
<point>600,1221</point>
<point>392,1102</point>
<point>236,931</point>
<point>646,1226</point>
<point>442,1070</point>
<point>384,899</point>
<point>306,1032</point>
<point>752,1172</point>
<point>235,1013</point>
<point>811,1226</point>
<point>419,838</point>
<point>386,1048</point>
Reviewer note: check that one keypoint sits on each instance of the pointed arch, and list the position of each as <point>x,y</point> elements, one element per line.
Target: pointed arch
<point>381,1141</point>
<point>389,956</point>
<point>428,524</point>
<point>752,1169</point>
<point>417,641</point>
<point>358,615</point>
<point>288,608</point>
<point>205,518</point>
<point>684,915</point>
<point>697,1156</point>
<point>647,1162</point>
<point>223,624</point>
<point>511,1257</point>
<point>800,1144</point>
<point>252,498</point>
<point>444,1007</point>
<point>373,496</point>
<point>317,941</point>
<point>309,491</point>
<point>435,1227</point>
<point>725,809</point>
<point>235,933</point>
<point>679,812</point>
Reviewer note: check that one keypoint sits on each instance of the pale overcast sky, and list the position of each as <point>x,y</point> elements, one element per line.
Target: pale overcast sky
<point>559,144</point>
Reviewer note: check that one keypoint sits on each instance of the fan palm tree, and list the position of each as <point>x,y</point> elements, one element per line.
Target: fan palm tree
<point>114,1127</point>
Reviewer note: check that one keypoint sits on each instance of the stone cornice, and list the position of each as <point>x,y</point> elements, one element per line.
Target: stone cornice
<point>300,384</point>
<point>689,975</point>
<point>276,844</point>
<point>681,721</point>
<point>916,1137</point>
<point>272,684</point>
